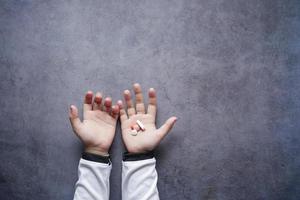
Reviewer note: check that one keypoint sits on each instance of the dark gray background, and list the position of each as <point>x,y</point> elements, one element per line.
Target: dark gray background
<point>228,69</point>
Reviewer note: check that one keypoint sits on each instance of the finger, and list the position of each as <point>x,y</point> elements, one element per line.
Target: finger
<point>107,105</point>
<point>164,129</point>
<point>74,118</point>
<point>152,102</point>
<point>115,111</point>
<point>97,101</point>
<point>123,115</point>
<point>88,101</point>
<point>129,104</point>
<point>139,100</point>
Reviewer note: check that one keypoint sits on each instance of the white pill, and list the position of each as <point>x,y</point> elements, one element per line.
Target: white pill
<point>134,132</point>
<point>141,125</point>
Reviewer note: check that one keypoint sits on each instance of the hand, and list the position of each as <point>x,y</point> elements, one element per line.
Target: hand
<point>98,127</point>
<point>146,140</point>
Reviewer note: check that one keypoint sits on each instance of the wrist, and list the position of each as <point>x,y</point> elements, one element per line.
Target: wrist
<point>96,151</point>
<point>137,150</point>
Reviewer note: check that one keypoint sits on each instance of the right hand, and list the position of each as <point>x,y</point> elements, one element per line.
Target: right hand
<point>97,130</point>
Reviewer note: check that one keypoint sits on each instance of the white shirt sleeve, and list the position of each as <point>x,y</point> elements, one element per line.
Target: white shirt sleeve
<point>93,181</point>
<point>139,180</point>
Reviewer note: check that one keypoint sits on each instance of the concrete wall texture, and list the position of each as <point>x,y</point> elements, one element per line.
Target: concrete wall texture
<point>228,69</point>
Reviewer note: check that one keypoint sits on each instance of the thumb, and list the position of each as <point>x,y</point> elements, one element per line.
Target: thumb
<point>74,119</point>
<point>167,126</point>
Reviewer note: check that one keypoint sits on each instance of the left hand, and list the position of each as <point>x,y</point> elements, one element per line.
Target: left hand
<point>146,140</point>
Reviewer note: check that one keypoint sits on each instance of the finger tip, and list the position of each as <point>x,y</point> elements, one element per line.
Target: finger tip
<point>120,104</point>
<point>89,97</point>
<point>108,99</point>
<point>127,95</point>
<point>98,100</point>
<point>151,90</point>
<point>73,110</point>
<point>126,92</point>
<point>136,85</point>
<point>89,92</point>
<point>115,111</point>
<point>98,94</point>
<point>173,119</point>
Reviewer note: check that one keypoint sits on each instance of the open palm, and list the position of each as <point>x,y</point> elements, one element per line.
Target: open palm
<point>145,140</point>
<point>98,127</point>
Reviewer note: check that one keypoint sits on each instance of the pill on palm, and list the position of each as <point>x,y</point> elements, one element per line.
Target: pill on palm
<point>141,125</point>
<point>133,132</point>
<point>136,127</point>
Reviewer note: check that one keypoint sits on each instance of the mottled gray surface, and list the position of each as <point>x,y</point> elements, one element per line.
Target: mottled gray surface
<point>228,69</point>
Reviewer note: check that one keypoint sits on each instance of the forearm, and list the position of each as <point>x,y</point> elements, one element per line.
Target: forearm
<point>93,178</point>
<point>139,177</point>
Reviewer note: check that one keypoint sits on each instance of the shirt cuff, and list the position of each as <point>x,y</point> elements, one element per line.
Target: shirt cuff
<point>96,158</point>
<point>137,156</point>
